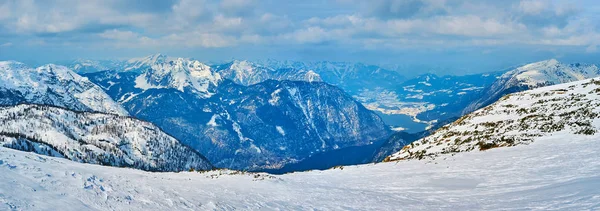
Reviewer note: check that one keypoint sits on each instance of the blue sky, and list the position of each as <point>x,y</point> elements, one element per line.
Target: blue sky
<point>459,36</point>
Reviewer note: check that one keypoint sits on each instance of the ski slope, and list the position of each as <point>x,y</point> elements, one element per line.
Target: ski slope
<point>557,172</point>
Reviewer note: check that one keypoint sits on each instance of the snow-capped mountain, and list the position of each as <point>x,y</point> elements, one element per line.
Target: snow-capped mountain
<point>143,63</point>
<point>84,66</point>
<point>261,126</point>
<point>351,77</point>
<point>52,85</point>
<point>248,73</point>
<point>570,109</point>
<point>95,138</point>
<point>363,82</point>
<point>539,74</point>
<point>181,74</point>
<point>88,66</point>
<point>264,125</point>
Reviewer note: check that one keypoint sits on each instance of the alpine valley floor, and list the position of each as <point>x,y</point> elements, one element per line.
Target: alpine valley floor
<point>558,172</point>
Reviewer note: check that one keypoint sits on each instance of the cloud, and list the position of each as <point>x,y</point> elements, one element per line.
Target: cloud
<point>8,44</point>
<point>187,12</point>
<point>237,7</point>
<point>392,9</point>
<point>532,7</point>
<point>474,26</point>
<point>119,35</point>
<point>60,16</point>
<point>382,25</point>
<point>545,13</point>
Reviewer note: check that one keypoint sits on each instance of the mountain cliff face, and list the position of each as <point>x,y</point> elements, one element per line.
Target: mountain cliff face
<point>52,85</point>
<point>264,125</point>
<point>534,75</point>
<point>566,109</point>
<point>95,138</point>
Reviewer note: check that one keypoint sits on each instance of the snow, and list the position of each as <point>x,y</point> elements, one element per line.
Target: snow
<point>56,85</point>
<point>181,74</point>
<point>95,138</point>
<point>519,118</point>
<point>141,83</point>
<point>280,130</point>
<point>243,70</point>
<point>248,73</point>
<point>312,76</point>
<point>212,122</point>
<point>398,129</point>
<point>560,173</point>
<point>145,62</point>
<point>534,75</point>
<point>552,72</point>
<point>275,97</point>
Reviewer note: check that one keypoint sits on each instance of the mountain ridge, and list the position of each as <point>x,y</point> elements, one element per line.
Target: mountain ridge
<point>534,75</point>
<point>256,122</point>
<point>54,85</point>
<point>519,118</point>
<point>96,138</point>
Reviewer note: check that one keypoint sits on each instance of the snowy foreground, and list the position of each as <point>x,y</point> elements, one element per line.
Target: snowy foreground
<point>557,172</point>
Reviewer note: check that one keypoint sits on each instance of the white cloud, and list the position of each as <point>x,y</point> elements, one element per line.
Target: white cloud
<point>186,12</point>
<point>119,35</point>
<point>237,7</point>
<point>473,26</point>
<point>5,11</point>
<point>313,34</point>
<point>214,24</point>
<point>8,44</point>
<point>532,7</point>
<point>199,39</point>
<point>227,22</point>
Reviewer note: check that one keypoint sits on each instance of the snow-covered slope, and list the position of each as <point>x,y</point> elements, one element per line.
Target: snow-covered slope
<point>534,75</point>
<point>248,73</point>
<point>52,85</point>
<point>569,110</point>
<point>556,173</point>
<point>95,138</point>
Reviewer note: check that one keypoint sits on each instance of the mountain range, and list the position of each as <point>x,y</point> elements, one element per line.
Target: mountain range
<point>269,116</point>
<point>531,150</point>
<point>262,125</point>
<point>411,105</point>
